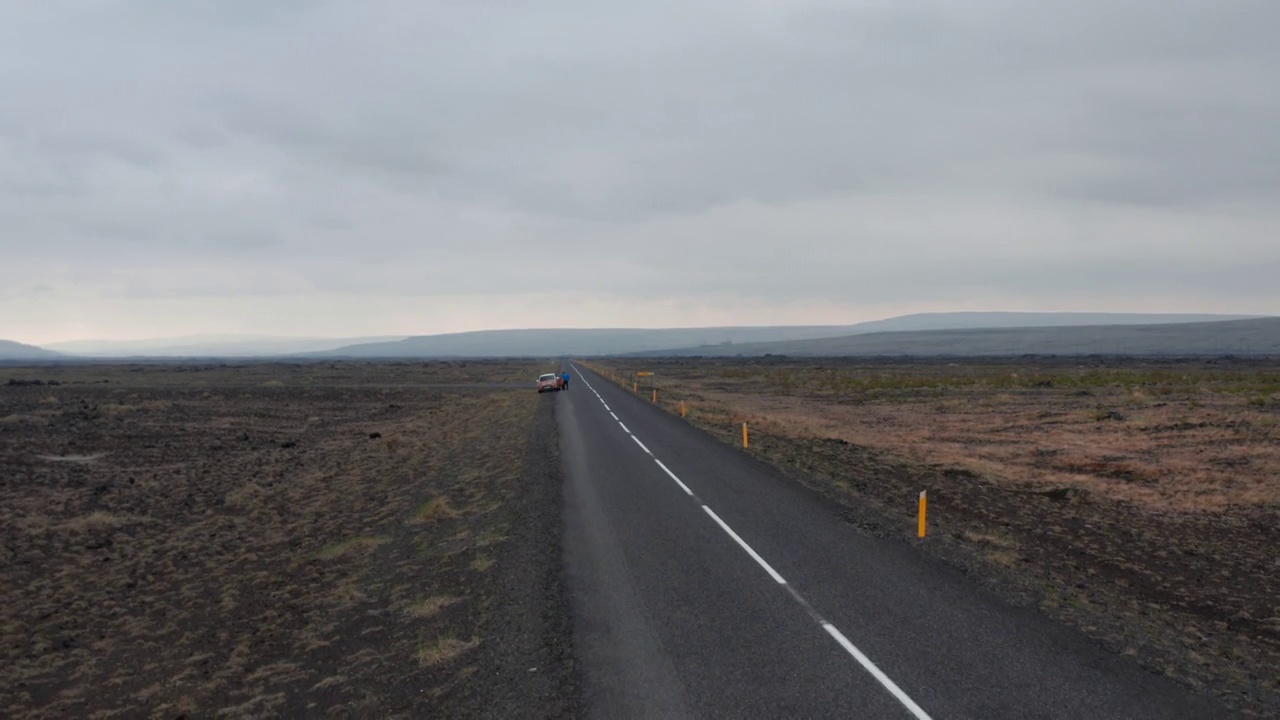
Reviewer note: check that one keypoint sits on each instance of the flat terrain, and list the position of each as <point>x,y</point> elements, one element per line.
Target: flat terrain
<point>1136,500</point>
<point>351,539</point>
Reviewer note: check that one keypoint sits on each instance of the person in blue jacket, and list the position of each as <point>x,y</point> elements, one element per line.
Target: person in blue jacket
<point>565,376</point>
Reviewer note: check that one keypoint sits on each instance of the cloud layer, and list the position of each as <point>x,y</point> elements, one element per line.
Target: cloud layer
<point>398,167</point>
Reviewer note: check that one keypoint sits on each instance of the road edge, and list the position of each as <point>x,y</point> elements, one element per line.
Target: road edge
<point>528,669</point>
<point>1012,587</point>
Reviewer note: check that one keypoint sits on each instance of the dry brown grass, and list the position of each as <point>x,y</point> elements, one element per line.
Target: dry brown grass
<point>117,408</point>
<point>1201,449</point>
<point>100,520</point>
<point>997,547</point>
<point>329,682</point>
<point>444,649</point>
<point>437,508</point>
<point>356,545</point>
<point>430,607</point>
<point>996,540</point>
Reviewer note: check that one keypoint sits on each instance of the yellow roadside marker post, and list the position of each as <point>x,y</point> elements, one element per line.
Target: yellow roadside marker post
<point>746,441</point>
<point>635,387</point>
<point>924,509</point>
<point>682,411</point>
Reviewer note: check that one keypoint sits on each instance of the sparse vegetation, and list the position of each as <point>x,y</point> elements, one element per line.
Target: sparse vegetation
<point>236,544</point>
<point>443,649</point>
<point>425,609</point>
<point>437,508</point>
<point>350,546</point>
<point>116,408</point>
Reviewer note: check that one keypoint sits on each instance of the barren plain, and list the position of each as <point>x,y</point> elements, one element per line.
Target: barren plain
<point>345,539</point>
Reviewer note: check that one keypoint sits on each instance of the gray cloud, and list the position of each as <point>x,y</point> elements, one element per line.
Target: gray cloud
<point>863,156</point>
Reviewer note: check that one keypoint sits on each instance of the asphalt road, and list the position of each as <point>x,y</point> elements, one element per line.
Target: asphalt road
<point>703,584</point>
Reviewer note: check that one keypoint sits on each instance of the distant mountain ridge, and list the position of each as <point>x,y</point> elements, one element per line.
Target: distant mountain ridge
<point>240,346</point>
<point>10,350</point>
<point>975,320</point>
<point>1027,330</point>
<point>618,341</point>
<point>556,342</point>
<point>1257,336</point>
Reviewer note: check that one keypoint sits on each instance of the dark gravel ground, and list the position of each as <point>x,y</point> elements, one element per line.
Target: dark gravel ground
<point>345,540</point>
<point>529,671</point>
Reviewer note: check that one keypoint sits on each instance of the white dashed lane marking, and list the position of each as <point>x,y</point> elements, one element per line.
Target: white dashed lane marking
<point>830,629</point>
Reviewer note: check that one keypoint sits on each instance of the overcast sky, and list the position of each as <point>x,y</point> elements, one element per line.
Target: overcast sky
<point>397,166</point>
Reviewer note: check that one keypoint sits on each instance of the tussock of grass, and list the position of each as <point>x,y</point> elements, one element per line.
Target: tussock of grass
<point>259,706</point>
<point>100,520</point>
<point>331,681</point>
<point>346,595</point>
<point>1006,557</point>
<point>431,606</point>
<point>351,545</point>
<point>992,539</point>
<point>486,539</point>
<point>482,563</point>
<point>74,459</point>
<point>437,508</point>
<point>444,649</point>
<point>273,670</point>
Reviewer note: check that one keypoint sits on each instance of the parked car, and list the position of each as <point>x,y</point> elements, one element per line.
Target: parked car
<point>550,381</point>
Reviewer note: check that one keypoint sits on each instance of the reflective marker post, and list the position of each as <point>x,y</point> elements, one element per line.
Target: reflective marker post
<point>924,508</point>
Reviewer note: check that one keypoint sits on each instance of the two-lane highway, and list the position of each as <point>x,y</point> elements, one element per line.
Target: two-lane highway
<point>705,585</point>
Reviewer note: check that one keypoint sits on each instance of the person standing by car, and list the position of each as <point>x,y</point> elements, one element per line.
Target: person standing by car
<point>565,377</point>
